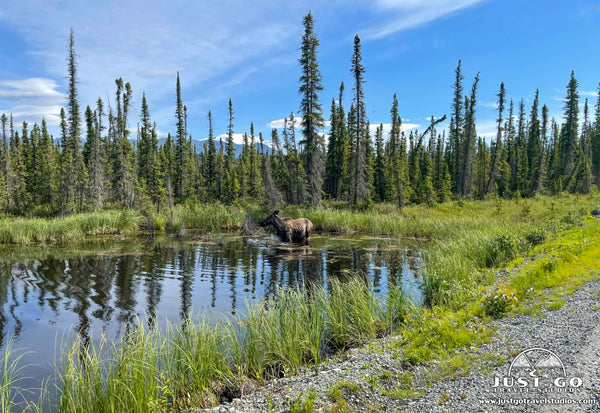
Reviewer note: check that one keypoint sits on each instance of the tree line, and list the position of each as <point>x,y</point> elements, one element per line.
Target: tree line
<point>109,168</point>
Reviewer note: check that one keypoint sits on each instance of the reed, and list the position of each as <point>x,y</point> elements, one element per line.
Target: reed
<point>196,364</point>
<point>8,379</point>
<point>25,231</point>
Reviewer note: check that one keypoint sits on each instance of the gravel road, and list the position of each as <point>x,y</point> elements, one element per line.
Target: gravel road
<point>571,334</point>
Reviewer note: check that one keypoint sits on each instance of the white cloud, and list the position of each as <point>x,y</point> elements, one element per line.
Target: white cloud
<point>32,99</point>
<point>37,89</point>
<point>588,93</point>
<point>407,14</point>
<point>278,123</point>
<point>487,128</point>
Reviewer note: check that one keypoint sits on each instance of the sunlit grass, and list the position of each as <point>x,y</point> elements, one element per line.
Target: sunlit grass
<point>26,231</point>
<point>563,265</point>
<point>197,364</point>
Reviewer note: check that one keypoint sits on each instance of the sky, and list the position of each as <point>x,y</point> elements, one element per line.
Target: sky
<point>248,51</point>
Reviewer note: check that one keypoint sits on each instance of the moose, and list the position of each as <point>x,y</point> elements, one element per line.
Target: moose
<point>288,229</point>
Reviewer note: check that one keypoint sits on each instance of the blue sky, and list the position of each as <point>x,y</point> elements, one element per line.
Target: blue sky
<point>248,51</point>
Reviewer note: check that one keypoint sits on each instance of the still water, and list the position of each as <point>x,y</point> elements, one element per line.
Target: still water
<point>51,294</point>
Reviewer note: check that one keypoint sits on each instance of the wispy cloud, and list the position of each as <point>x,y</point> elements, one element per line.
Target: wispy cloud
<point>408,14</point>
<point>147,42</point>
<point>36,89</point>
<point>279,123</point>
<point>32,99</point>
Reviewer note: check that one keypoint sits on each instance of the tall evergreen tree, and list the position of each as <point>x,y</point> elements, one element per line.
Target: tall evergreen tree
<point>332,166</point>
<point>123,186</point>
<point>498,149</point>
<point>4,166</point>
<point>312,118</point>
<point>74,173</point>
<point>211,162</point>
<point>231,183</point>
<point>456,129</point>
<point>359,138</point>
<point>184,162</point>
<point>534,148</point>
<point>95,162</point>
<point>568,140</point>
<point>467,144</point>
<point>379,173</point>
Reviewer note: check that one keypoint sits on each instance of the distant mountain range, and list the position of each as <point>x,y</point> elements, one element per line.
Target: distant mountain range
<point>199,144</point>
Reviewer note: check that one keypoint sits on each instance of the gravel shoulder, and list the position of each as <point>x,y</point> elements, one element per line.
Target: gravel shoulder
<point>365,378</point>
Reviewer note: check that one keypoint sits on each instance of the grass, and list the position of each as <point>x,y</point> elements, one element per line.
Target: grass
<point>563,265</point>
<point>8,379</point>
<point>26,231</point>
<point>197,364</point>
<point>201,217</point>
<point>211,217</point>
<point>460,280</point>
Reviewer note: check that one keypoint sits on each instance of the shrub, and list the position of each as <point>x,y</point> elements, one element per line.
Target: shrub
<point>536,236</point>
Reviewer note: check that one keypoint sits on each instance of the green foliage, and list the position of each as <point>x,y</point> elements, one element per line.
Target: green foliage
<point>302,403</point>
<point>498,303</point>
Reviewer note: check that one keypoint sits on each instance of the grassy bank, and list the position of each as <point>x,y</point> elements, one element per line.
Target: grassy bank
<point>27,231</point>
<point>198,217</point>
<point>441,222</point>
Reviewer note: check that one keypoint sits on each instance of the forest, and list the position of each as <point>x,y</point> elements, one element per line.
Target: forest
<point>97,163</point>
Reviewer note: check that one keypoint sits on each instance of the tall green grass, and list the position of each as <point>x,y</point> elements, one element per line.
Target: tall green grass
<point>9,378</point>
<point>203,217</point>
<point>197,364</point>
<point>26,231</point>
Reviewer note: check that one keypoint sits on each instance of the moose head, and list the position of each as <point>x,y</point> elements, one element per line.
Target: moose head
<point>270,220</point>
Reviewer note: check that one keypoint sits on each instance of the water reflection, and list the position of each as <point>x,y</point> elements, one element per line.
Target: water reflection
<point>50,294</point>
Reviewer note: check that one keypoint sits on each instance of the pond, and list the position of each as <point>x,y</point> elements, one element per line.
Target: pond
<point>51,294</point>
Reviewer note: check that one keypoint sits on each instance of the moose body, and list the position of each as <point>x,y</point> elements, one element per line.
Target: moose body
<point>288,229</point>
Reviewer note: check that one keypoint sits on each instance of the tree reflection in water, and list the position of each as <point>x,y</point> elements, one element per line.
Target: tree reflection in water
<point>106,287</point>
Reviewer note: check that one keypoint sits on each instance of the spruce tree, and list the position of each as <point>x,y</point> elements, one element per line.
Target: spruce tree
<point>498,148</point>
<point>211,162</point>
<point>568,141</point>
<point>123,186</point>
<point>379,173</point>
<point>4,166</point>
<point>534,148</point>
<point>467,144</point>
<point>74,174</point>
<point>359,150</point>
<point>184,162</point>
<point>231,185</point>
<point>456,129</point>
<point>482,168</point>
<point>332,166</point>
<point>95,162</point>
<point>312,118</point>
